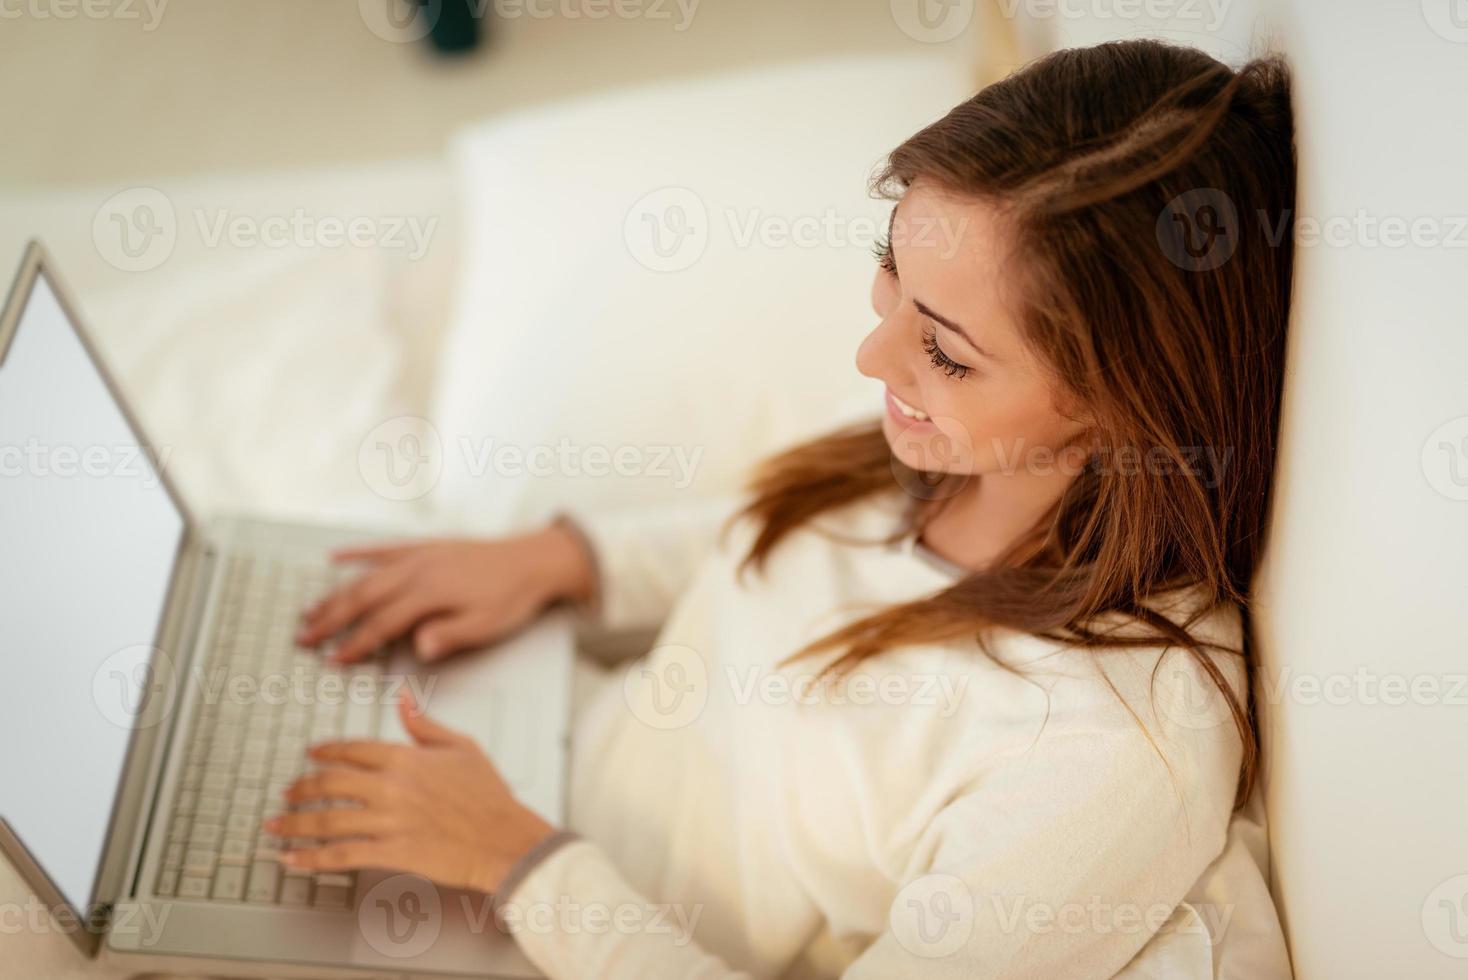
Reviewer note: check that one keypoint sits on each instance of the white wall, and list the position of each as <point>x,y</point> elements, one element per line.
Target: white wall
<point>1368,563</point>
<point>1365,590</point>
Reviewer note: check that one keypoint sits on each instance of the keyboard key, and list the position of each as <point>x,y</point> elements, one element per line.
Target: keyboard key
<point>264,882</point>
<point>332,896</point>
<point>209,807</point>
<point>241,824</point>
<point>199,861</point>
<point>193,886</point>
<point>229,883</point>
<point>235,851</point>
<point>295,891</point>
<point>206,835</point>
<point>167,883</point>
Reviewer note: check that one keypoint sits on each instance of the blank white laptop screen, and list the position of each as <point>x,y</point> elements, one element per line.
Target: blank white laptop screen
<point>88,540</point>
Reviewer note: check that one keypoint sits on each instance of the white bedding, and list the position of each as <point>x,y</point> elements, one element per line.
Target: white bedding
<point>260,369</point>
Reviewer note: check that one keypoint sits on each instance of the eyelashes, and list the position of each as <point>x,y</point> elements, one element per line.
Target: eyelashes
<point>882,252</point>
<point>942,361</point>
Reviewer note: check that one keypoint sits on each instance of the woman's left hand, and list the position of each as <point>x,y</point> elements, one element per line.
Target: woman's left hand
<point>437,808</point>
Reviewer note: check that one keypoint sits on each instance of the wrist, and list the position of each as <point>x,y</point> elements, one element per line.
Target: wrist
<point>569,568</point>
<point>523,839</point>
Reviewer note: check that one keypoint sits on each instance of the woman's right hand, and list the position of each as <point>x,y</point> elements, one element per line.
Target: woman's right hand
<point>449,595</point>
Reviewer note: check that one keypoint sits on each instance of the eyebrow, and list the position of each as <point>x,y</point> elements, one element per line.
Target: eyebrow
<point>943,321</point>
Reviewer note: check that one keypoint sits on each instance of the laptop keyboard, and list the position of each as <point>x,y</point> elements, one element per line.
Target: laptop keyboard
<point>263,703</point>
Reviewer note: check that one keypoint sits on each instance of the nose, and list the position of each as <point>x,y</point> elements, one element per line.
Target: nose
<point>879,355</point>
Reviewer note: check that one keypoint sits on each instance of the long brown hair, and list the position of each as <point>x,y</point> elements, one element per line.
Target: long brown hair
<point>1151,191</point>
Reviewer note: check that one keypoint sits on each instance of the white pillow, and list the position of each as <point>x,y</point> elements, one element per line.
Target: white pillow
<point>584,368</point>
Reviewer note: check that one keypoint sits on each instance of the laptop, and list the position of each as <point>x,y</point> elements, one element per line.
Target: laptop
<point>158,704</point>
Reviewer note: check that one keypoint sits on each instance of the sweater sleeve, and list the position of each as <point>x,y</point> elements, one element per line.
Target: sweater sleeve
<point>1062,861</point>
<point>645,557</point>
<point>575,916</point>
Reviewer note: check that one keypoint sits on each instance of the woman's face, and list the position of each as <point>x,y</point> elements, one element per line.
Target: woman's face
<point>963,395</point>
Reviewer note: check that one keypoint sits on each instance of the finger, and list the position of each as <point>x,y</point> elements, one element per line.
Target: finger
<point>443,635</point>
<point>384,624</point>
<point>362,753</point>
<point>424,730</point>
<point>331,823</point>
<point>344,606</point>
<point>337,784</point>
<point>375,552</point>
<point>339,856</point>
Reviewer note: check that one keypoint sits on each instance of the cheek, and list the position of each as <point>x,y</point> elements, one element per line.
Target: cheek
<point>985,424</point>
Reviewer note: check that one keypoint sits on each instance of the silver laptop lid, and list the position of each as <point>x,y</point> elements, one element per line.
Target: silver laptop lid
<point>95,541</point>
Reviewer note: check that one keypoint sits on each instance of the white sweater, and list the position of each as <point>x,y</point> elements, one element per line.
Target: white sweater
<point>938,816</point>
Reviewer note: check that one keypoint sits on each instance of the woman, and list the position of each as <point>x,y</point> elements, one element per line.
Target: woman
<point>961,694</point>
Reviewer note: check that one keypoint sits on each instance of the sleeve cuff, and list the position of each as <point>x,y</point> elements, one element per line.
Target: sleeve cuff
<point>529,861</point>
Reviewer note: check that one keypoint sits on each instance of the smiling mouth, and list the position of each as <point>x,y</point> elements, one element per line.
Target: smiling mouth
<point>906,410</point>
